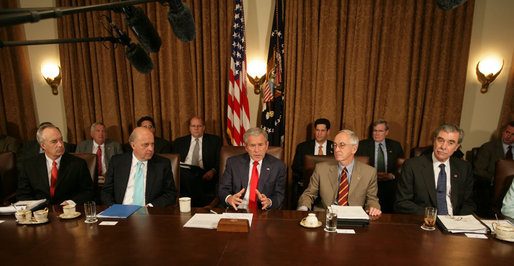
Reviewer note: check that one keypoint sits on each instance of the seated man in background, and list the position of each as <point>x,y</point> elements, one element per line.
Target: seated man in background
<point>103,147</point>
<point>54,175</point>
<point>382,153</point>
<point>254,180</point>
<point>437,180</point>
<point>139,177</point>
<point>345,181</point>
<point>508,203</point>
<point>161,145</point>
<point>200,158</point>
<point>484,167</point>
<point>9,144</point>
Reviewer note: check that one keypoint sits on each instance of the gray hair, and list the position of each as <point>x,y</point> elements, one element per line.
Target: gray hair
<point>255,132</point>
<point>39,135</point>
<point>380,121</point>
<point>448,128</point>
<point>354,140</point>
<point>96,124</point>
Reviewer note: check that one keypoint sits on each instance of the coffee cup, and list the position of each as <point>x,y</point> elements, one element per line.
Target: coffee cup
<point>311,220</point>
<point>41,215</point>
<point>504,232</point>
<point>69,210</point>
<point>185,204</point>
<point>23,216</point>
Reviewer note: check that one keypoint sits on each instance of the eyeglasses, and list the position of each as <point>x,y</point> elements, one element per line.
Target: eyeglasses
<point>340,145</point>
<point>148,126</point>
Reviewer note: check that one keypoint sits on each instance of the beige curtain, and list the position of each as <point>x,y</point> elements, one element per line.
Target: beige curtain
<point>17,115</point>
<point>188,79</point>
<point>357,61</point>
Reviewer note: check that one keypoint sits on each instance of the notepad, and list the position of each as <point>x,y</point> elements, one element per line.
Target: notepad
<point>119,211</point>
<point>461,224</point>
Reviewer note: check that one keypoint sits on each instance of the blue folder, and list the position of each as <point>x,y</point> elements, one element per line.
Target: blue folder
<point>119,211</point>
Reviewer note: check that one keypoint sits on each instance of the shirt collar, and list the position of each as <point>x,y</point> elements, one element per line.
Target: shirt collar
<point>436,162</point>
<point>50,161</point>
<point>135,161</point>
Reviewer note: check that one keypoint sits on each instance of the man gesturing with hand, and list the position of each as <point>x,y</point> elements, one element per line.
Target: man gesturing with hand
<point>254,180</point>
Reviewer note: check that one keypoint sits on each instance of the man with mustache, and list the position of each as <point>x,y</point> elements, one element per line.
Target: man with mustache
<point>436,179</point>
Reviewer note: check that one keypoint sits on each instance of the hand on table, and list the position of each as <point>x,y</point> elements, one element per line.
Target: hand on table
<point>235,199</point>
<point>265,202</point>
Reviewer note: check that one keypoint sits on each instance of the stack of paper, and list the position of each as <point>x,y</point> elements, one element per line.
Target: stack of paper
<point>210,221</point>
<point>461,224</point>
<point>22,205</point>
<point>350,215</point>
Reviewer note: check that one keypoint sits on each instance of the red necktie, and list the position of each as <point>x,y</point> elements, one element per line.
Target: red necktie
<point>320,150</point>
<point>53,179</point>
<point>342,198</point>
<point>99,158</point>
<point>508,155</point>
<point>253,186</point>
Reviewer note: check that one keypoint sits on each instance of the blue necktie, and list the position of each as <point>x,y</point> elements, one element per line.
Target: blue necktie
<point>139,186</point>
<point>442,208</point>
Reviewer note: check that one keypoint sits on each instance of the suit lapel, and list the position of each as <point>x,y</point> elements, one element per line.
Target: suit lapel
<point>265,173</point>
<point>333,179</point>
<point>43,172</point>
<point>150,174</point>
<point>63,167</point>
<point>245,170</point>
<point>428,176</point>
<point>125,172</point>
<point>454,176</point>
<point>355,179</point>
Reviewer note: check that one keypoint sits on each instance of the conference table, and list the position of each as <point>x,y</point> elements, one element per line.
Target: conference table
<point>156,236</point>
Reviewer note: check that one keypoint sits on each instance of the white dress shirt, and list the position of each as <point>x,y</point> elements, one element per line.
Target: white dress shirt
<point>189,157</point>
<point>129,193</point>
<point>323,147</point>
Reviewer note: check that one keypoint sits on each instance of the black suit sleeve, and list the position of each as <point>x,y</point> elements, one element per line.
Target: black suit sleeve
<point>24,191</point>
<point>405,192</point>
<point>168,193</point>
<point>107,193</point>
<point>277,197</point>
<point>86,188</point>
<point>298,161</point>
<point>468,205</point>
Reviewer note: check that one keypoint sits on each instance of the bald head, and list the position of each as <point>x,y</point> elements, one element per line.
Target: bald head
<point>142,143</point>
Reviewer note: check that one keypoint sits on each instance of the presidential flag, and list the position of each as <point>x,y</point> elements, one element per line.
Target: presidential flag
<point>273,99</point>
<point>238,112</point>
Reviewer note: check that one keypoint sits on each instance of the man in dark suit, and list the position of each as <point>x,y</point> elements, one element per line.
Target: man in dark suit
<point>437,180</point>
<point>254,179</point>
<point>320,145</point>
<point>139,177</point>
<point>382,153</point>
<point>484,167</point>
<point>161,145</point>
<point>54,175</point>
<point>200,157</point>
<point>103,147</point>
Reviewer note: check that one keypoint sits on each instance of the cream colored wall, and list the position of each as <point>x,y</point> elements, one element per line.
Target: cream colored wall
<point>492,35</point>
<point>49,107</point>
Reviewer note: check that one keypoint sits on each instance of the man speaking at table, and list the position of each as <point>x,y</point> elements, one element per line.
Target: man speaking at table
<point>139,177</point>
<point>55,175</point>
<point>254,179</point>
<point>437,179</point>
<point>345,181</point>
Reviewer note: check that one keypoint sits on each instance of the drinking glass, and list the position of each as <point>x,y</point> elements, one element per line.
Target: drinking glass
<point>430,217</point>
<point>330,221</point>
<point>90,212</point>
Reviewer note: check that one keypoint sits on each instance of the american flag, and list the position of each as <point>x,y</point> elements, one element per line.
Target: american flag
<point>238,113</point>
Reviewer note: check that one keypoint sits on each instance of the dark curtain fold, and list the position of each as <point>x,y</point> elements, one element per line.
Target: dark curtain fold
<point>188,79</point>
<point>354,62</point>
<point>507,113</point>
<point>17,114</point>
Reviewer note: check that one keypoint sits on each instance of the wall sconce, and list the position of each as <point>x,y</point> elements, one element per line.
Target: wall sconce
<point>487,71</point>
<point>257,68</point>
<point>52,74</point>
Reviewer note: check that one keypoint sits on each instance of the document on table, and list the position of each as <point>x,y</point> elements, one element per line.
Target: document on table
<point>210,221</point>
<point>20,205</point>
<point>461,224</point>
<point>350,212</point>
<point>489,223</point>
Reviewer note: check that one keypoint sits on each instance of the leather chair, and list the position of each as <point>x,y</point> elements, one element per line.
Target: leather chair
<point>502,181</point>
<point>91,162</point>
<point>8,176</point>
<point>229,151</point>
<point>417,151</point>
<point>399,164</point>
<point>310,161</point>
<point>472,154</point>
<point>175,167</point>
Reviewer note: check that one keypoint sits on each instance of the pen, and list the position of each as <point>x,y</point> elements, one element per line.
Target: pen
<point>213,212</point>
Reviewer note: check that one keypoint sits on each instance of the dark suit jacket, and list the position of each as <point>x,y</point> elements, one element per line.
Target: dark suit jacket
<point>211,146</point>
<point>160,185</point>
<point>485,162</point>
<point>73,180</point>
<point>111,148</point>
<point>160,146</point>
<point>394,151</point>
<point>271,179</point>
<point>416,186</point>
<point>304,148</point>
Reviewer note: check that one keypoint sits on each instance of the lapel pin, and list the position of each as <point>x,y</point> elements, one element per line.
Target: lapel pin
<point>267,169</point>
<point>455,176</point>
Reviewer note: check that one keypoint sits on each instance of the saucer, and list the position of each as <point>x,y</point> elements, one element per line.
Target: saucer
<point>32,221</point>
<point>302,223</point>
<point>505,238</point>
<point>75,215</point>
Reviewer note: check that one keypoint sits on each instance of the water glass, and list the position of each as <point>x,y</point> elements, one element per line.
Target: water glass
<point>90,212</point>
<point>331,221</point>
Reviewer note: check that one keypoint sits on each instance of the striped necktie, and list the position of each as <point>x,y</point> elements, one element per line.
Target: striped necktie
<point>342,198</point>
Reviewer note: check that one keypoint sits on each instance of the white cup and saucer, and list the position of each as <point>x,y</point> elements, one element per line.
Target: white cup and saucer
<point>311,221</point>
<point>69,212</point>
<point>503,232</point>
